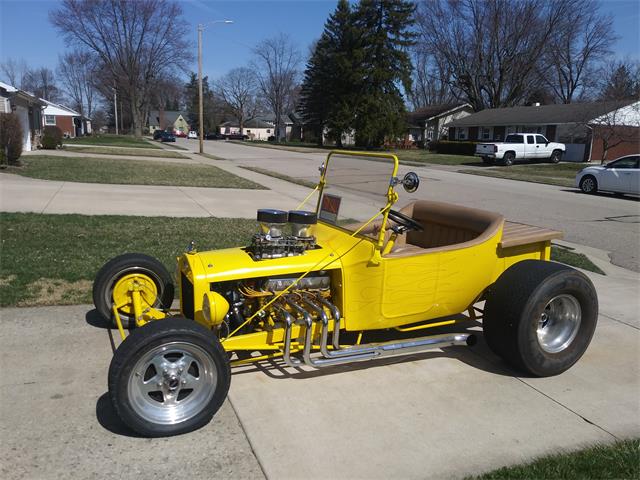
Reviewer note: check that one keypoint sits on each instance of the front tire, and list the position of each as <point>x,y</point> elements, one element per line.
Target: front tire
<point>113,281</point>
<point>169,377</point>
<point>540,316</point>
<point>556,156</point>
<point>589,184</point>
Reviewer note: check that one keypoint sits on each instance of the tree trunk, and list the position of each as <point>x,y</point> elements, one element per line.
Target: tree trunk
<point>136,118</point>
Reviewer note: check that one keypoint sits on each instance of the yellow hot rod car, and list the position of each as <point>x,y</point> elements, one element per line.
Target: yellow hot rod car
<point>311,284</point>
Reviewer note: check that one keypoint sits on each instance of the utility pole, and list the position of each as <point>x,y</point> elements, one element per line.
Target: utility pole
<point>200,101</point>
<point>201,27</point>
<point>115,107</point>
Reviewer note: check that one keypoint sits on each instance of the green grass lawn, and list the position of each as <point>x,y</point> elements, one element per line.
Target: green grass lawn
<point>618,461</point>
<point>281,176</point>
<point>111,140</point>
<point>135,152</point>
<point>53,259</point>
<point>568,257</point>
<point>130,172</point>
<point>409,157</point>
<point>562,174</point>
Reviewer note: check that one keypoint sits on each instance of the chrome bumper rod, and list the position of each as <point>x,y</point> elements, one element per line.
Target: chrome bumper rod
<point>356,353</point>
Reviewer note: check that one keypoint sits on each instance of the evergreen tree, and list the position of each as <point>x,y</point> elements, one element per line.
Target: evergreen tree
<point>192,104</point>
<point>331,77</point>
<point>621,84</point>
<point>384,28</point>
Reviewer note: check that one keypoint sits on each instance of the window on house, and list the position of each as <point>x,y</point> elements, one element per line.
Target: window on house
<point>462,134</point>
<point>486,133</point>
<point>49,119</point>
<point>268,131</point>
<point>248,131</point>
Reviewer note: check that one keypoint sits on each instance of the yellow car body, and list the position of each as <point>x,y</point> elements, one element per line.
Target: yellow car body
<point>372,290</point>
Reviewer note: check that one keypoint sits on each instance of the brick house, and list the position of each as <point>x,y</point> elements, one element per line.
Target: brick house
<point>69,121</point>
<point>578,125</point>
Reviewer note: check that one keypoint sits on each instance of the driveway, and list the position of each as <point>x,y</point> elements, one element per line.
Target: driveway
<point>442,414</point>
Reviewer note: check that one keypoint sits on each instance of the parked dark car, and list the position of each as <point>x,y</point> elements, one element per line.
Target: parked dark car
<point>157,134</point>
<point>237,136</point>
<point>167,137</point>
<point>214,136</point>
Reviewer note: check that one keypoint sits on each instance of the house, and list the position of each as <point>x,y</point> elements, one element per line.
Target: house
<point>571,124</point>
<point>428,123</point>
<point>255,129</point>
<point>28,108</point>
<point>72,123</point>
<point>168,120</point>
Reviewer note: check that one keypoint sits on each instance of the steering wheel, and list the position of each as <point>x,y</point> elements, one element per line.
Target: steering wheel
<point>405,222</point>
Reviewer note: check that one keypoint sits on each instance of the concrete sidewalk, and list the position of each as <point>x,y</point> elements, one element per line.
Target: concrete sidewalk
<point>443,414</point>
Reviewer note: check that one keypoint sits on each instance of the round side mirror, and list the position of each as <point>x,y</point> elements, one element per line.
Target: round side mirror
<point>411,182</point>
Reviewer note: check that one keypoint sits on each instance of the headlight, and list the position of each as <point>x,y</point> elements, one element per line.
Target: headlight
<point>214,307</point>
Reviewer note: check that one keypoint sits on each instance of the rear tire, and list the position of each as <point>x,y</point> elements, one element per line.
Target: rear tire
<point>540,316</point>
<point>110,280</point>
<point>589,184</point>
<point>508,159</point>
<point>169,377</point>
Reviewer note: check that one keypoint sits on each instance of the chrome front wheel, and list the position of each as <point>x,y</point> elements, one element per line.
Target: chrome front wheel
<point>172,383</point>
<point>168,377</point>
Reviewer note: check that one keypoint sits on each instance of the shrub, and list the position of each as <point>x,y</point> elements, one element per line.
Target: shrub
<point>10,138</point>
<point>453,148</point>
<point>52,138</point>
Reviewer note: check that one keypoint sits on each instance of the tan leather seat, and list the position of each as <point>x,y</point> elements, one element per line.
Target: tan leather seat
<point>446,227</point>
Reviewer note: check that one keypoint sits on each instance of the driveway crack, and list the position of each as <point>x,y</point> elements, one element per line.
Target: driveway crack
<point>196,202</point>
<point>567,408</point>
<point>53,197</point>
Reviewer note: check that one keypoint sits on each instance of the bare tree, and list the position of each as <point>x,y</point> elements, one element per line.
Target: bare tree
<point>277,62</point>
<point>15,71</point>
<point>491,47</point>
<point>78,70</point>
<point>430,82</point>
<point>238,90</point>
<point>42,82</point>
<point>136,41</point>
<point>575,47</point>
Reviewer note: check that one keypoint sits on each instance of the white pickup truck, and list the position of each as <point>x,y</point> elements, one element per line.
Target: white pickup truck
<point>520,146</point>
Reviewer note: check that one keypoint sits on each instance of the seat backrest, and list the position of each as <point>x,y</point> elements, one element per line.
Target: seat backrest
<point>447,224</point>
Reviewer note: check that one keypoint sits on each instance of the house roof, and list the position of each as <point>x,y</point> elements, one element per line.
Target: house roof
<point>253,123</point>
<point>13,91</point>
<point>539,115</point>
<point>169,116</point>
<point>430,112</point>
<point>58,110</point>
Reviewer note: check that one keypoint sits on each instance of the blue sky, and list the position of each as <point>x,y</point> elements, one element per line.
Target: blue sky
<point>25,31</point>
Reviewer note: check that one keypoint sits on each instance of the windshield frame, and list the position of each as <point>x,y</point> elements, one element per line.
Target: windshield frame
<point>392,196</point>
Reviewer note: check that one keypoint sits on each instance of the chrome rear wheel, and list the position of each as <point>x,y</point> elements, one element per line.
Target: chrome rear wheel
<point>559,323</point>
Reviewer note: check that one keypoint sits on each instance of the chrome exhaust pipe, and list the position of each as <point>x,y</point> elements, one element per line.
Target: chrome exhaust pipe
<point>289,320</point>
<point>335,313</point>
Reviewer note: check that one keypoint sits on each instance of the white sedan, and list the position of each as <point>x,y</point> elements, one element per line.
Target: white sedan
<point>192,134</point>
<point>620,176</point>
